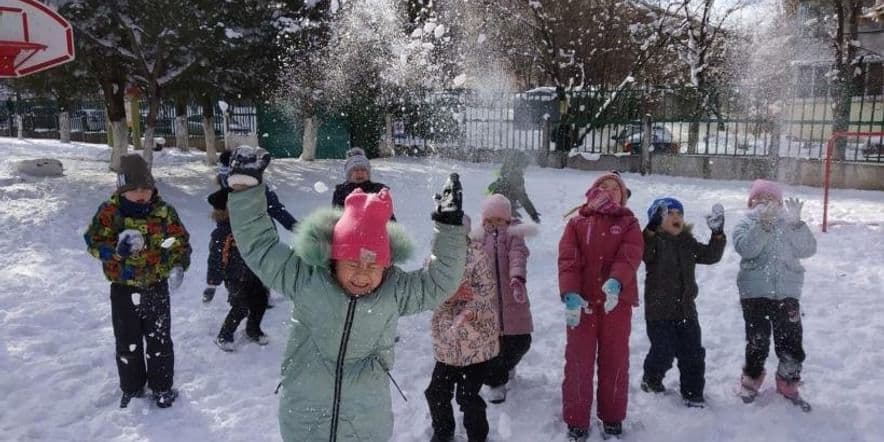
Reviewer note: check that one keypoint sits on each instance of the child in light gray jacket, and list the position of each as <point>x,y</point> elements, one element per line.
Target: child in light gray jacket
<point>772,240</point>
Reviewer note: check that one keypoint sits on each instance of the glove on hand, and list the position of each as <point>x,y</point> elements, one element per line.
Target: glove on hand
<point>247,166</point>
<point>715,219</point>
<point>536,218</point>
<point>611,287</point>
<point>176,277</point>
<point>793,211</point>
<point>129,242</point>
<point>517,287</point>
<point>573,304</point>
<point>449,205</point>
<point>209,294</point>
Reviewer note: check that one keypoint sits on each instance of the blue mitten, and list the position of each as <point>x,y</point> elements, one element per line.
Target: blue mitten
<point>573,304</point>
<point>611,287</point>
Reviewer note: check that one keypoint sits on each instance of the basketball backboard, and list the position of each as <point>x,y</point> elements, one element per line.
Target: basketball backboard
<point>33,38</point>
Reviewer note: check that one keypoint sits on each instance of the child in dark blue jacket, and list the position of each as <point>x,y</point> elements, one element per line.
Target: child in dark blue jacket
<point>275,209</point>
<point>247,295</point>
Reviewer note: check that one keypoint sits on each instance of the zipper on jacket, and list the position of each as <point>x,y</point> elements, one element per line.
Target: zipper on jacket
<point>339,369</point>
<point>499,291</point>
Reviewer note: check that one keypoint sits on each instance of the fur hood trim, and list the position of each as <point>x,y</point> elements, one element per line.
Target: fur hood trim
<point>521,230</point>
<point>313,239</point>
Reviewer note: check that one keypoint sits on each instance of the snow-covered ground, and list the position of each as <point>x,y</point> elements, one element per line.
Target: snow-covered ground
<point>59,380</point>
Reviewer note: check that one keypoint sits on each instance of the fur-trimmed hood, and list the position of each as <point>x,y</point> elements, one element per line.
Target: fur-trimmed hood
<point>521,230</point>
<point>313,238</point>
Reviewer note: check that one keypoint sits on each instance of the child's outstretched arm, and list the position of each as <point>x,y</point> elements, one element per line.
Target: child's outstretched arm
<point>424,289</point>
<point>802,240</point>
<point>274,263</point>
<point>712,252</point>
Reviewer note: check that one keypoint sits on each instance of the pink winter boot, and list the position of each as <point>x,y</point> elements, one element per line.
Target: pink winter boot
<point>750,386</point>
<point>787,388</point>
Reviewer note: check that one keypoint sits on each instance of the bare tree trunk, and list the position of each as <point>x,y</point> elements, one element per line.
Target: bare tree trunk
<point>64,127</point>
<point>150,124</point>
<point>113,90</point>
<point>120,136</point>
<point>209,131</point>
<point>308,141</point>
<point>181,135</point>
<point>20,124</point>
<point>386,147</point>
<point>694,136</point>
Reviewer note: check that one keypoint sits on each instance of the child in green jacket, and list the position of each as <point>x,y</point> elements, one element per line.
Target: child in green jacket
<point>347,297</point>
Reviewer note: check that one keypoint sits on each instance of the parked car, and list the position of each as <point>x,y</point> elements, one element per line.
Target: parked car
<point>40,119</point>
<point>88,120</point>
<point>873,151</point>
<point>631,139</point>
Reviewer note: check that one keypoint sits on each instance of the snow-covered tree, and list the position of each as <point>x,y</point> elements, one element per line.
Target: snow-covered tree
<point>578,45</point>
<point>102,47</point>
<point>303,37</point>
<point>368,64</point>
<point>702,38</point>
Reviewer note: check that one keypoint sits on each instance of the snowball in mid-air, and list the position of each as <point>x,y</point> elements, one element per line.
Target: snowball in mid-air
<point>320,187</point>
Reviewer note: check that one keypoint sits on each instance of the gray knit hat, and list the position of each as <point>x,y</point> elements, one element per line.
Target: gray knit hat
<point>356,159</point>
<point>134,173</point>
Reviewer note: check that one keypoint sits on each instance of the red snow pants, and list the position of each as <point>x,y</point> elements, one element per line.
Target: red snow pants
<point>602,337</point>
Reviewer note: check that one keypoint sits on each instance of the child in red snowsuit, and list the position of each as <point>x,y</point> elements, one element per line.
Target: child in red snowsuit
<point>599,254</point>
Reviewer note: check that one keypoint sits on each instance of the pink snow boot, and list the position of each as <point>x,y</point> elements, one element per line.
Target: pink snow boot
<point>749,386</point>
<point>787,388</point>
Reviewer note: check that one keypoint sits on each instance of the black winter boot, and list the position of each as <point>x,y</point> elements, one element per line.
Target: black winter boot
<point>614,429</point>
<point>127,397</point>
<point>165,399</point>
<point>576,434</point>
<point>652,385</point>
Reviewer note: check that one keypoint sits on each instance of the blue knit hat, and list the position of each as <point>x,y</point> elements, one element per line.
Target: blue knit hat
<point>670,203</point>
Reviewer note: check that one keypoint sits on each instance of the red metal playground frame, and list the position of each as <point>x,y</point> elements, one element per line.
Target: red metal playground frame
<point>828,177</point>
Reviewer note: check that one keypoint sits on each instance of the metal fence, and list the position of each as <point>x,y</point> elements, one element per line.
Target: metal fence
<point>40,118</point>
<point>524,121</point>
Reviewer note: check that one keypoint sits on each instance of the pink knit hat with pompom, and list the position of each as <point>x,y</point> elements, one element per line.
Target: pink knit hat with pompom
<point>361,233</point>
<point>760,187</point>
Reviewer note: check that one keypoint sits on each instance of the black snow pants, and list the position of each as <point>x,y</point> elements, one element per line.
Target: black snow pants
<point>142,329</point>
<point>681,339</point>
<point>512,349</point>
<point>248,299</point>
<point>782,317</point>
<point>468,381</point>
